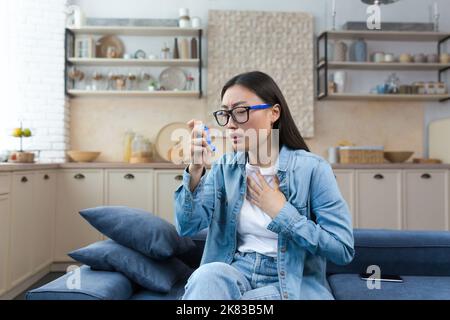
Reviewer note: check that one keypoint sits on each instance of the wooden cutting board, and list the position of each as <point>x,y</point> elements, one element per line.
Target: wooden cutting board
<point>439,140</point>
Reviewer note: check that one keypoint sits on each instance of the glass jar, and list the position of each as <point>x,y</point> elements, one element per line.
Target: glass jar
<point>137,148</point>
<point>393,84</point>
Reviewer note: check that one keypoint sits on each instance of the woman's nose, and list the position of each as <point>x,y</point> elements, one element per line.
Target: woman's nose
<point>231,124</point>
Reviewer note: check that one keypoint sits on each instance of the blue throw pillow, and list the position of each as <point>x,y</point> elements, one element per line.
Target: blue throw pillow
<point>155,275</point>
<point>139,230</point>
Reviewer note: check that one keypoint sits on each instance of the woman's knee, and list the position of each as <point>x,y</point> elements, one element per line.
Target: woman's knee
<point>211,272</point>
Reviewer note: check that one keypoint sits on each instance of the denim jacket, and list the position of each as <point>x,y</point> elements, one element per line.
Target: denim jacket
<point>313,226</point>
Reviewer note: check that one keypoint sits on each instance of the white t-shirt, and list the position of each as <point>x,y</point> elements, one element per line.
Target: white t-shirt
<point>252,222</point>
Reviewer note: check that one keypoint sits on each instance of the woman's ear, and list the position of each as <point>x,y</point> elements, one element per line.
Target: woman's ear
<point>276,113</point>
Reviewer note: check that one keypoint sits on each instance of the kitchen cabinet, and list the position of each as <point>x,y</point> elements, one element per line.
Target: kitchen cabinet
<point>21,239</point>
<point>4,240</point>
<point>76,190</point>
<point>43,218</point>
<point>378,200</point>
<point>132,188</point>
<point>426,199</point>
<point>345,180</point>
<point>166,182</point>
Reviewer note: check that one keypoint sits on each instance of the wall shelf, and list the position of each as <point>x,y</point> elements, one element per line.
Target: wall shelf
<point>125,93</point>
<point>71,34</point>
<point>323,64</point>
<point>411,36</point>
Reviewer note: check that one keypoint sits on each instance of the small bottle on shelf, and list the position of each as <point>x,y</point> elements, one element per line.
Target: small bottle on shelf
<point>176,53</point>
<point>194,49</point>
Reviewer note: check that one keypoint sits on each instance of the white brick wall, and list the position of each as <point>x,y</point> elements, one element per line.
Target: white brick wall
<point>36,92</point>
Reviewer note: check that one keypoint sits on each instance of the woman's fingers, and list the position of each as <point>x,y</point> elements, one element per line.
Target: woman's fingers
<point>253,186</point>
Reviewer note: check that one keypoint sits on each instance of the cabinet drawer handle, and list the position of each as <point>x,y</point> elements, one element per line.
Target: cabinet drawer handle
<point>79,176</point>
<point>378,176</point>
<point>24,179</point>
<point>46,177</point>
<point>129,176</point>
<point>179,177</point>
<point>426,176</point>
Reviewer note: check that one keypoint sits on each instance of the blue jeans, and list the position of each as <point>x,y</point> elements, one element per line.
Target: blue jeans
<point>251,276</point>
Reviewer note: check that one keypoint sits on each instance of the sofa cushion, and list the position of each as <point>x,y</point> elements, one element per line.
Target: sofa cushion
<point>351,287</point>
<point>93,285</point>
<point>155,275</point>
<point>175,293</point>
<point>399,252</point>
<point>139,230</point>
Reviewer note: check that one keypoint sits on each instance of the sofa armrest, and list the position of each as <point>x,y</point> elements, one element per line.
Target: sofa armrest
<point>93,285</point>
<point>399,252</point>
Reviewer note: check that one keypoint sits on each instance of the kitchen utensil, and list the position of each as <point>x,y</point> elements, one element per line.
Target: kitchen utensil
<point>172,79</point>
<point>140,54</point>
<point>358,51</point>
<point>397,156</point>
<point>426,160</point>
<point>340,51</point>
<point>432,58</point>
<point>389,57</point>
<point>438,142</point>
<point>420,58</point>
<point>361,154</point>
<point>83,156</point>
<point>444,58</point>
<point>333,155</point>
<point>21,157</point>
<point>340,78</point>
<point>109,43</point>
<point>405,58</point>
<point>378,57</point>
<point>171,135</point>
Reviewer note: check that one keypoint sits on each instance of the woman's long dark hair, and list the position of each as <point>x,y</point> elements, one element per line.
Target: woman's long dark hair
<point>268,91</point>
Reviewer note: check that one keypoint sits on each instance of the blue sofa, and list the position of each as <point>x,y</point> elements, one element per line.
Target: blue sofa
<point>421,258</point>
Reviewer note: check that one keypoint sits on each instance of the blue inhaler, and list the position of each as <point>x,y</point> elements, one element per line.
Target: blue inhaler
<point>208,139</point>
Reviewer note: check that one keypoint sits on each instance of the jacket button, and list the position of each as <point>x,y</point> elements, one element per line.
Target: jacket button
<point>283,249</point>
<point>282,273</point>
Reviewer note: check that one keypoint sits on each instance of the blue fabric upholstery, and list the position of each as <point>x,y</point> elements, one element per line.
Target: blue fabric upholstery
<point>139,230</point>
<point>399,252</point>
<point>420,257</point>
<point>155,275</point>
<point>94,285</point>
<point>351,287</point>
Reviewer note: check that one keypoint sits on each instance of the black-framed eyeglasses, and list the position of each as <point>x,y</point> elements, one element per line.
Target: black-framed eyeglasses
<point>239,114</point>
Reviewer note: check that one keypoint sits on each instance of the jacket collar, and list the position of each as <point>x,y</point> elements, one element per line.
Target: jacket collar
<point>284,158</point>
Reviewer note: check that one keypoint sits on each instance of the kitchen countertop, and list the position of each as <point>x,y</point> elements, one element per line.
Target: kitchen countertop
<point>7,167</point>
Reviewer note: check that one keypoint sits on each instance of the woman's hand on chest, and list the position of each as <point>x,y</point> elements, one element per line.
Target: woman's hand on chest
<point>269,199</point>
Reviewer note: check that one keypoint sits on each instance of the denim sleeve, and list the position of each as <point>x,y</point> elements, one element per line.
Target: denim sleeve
<point>193,210</point>
<point>331,235</point>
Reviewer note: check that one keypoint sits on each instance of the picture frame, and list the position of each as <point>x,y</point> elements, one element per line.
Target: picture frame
<point>84,47</point>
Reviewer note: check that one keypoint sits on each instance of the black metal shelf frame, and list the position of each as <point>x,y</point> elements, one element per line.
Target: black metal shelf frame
<point>322,63</point>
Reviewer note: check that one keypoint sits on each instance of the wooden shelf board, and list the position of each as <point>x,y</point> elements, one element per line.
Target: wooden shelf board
<point>117,93</point>
<point>410,97</point>
<point>386,66</point>
<point>136,31</point>
<point>134,62</point>
<point>388,35</point>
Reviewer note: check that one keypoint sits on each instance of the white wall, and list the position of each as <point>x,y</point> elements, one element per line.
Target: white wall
<point>35,95</point>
